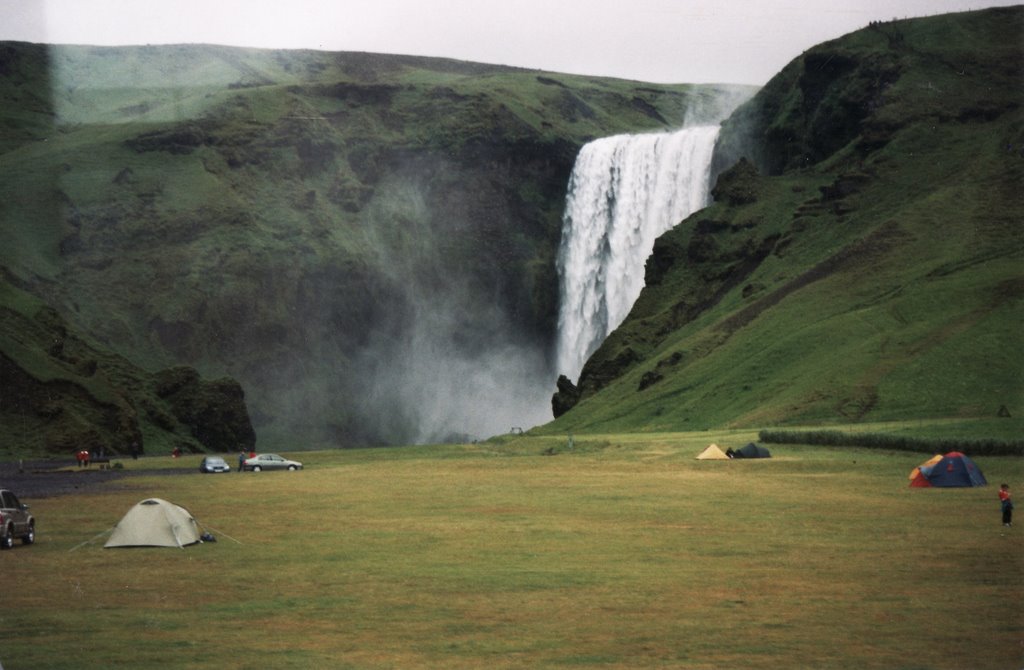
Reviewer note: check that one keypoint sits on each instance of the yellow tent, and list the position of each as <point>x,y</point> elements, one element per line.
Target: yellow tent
<point>712,453</point>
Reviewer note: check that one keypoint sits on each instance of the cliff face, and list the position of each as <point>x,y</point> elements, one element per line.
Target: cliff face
<point>858,252</point>
<point>354,238</point>
<point>859,91</point>
<point>62,393</point>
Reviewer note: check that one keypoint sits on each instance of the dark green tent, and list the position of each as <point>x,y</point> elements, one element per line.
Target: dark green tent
<point>751,451</point>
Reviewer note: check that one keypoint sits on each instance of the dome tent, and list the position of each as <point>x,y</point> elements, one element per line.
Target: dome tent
<point>750,451</point>
<point>155,523</point>
<point>952,470</point>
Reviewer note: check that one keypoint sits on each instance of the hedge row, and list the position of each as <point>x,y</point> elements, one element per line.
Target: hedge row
<point>835,438</point>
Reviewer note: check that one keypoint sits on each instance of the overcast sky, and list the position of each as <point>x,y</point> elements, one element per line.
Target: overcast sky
<point>668,41</point>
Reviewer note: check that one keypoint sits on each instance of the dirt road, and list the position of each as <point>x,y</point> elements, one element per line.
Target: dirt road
<point>45,479</point>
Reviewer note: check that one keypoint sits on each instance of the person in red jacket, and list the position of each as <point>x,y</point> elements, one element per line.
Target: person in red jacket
<point>1006,501</point>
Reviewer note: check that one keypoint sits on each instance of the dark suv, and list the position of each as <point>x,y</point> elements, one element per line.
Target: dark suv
<point>15,521</point>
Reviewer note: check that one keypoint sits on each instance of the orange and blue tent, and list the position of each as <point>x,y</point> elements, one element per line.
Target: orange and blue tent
<point>951,470</point>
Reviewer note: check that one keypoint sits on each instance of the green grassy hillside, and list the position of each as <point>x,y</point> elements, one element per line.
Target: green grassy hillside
<point>338,232</point>
<point>865,263</point>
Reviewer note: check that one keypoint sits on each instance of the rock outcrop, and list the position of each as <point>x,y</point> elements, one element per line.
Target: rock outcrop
<point>63,392</point>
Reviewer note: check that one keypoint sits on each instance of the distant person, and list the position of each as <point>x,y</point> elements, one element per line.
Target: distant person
<point>241,461</point>
<point>1006,502</point>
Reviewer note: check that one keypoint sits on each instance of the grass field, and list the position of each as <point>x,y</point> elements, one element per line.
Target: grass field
<point>624,552</point>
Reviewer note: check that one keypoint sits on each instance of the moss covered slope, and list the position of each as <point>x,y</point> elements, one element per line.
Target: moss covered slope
<point>864,263</point>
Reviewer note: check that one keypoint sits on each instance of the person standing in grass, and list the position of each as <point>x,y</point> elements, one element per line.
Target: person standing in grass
<point>1006,500</point>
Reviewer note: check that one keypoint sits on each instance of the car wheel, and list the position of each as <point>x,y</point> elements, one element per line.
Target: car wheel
<point>292,468</point>
<point>256,468</point>
<point>30,536</point>
<point>7,539</point>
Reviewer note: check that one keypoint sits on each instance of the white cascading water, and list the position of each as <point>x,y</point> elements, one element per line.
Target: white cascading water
<point>624,192</point>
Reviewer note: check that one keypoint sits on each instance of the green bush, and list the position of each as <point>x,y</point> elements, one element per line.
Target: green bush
<point>835,438</point>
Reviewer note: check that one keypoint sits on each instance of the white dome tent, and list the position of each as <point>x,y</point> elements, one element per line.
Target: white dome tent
<point>154,522</point>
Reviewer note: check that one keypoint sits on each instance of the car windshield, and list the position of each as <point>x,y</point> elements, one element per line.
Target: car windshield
<point>215,461</point>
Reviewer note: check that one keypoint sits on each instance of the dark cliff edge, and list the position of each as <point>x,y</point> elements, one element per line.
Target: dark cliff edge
<point>62,393</point>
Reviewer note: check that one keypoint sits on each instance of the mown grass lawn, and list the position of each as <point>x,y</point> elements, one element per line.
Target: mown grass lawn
<point>624,552</point>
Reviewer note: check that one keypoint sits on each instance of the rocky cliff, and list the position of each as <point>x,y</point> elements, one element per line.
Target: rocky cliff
<point>62,393</point>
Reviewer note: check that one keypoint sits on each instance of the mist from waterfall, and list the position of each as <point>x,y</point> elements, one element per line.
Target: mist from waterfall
<point>624,192</point>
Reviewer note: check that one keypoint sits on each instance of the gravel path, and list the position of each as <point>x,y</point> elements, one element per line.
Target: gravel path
<point>45,479</point>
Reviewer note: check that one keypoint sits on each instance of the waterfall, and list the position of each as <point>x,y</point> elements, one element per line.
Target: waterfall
<point>624,192</point>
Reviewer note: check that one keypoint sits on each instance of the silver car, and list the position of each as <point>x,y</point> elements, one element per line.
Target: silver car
<point>270,462</point>
<point>214,464</point>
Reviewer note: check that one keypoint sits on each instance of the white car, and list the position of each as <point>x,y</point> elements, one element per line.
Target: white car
<point>270,462</point>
